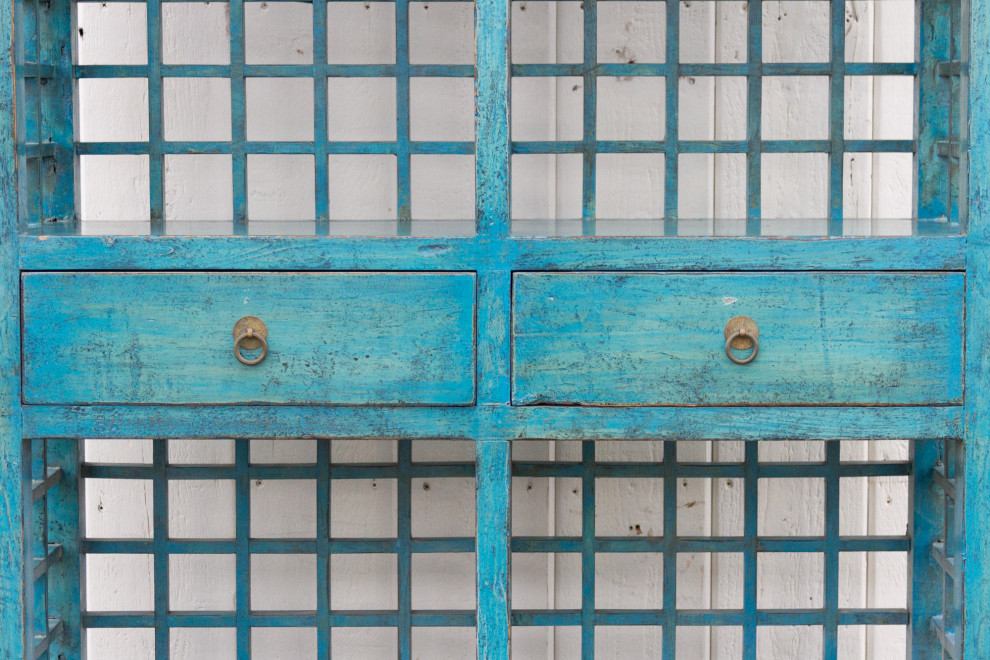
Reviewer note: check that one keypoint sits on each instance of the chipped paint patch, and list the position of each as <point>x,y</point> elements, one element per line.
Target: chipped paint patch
<point>729,300</point>
<point>433,250</point>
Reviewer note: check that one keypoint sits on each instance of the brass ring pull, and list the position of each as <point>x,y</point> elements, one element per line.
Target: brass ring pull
<point>741,333</point>
<point>250,333</point>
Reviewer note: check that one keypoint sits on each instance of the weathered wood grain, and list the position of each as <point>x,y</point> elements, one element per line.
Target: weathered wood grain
<point>493,422</point>
<point>341,338</point>
<point>64,583</point>
<point>657,339</point>
<point>516,253</point>
<point>925,527</point>
<point>976,492</point>
<point>14,631</point>
<point>494,481</point>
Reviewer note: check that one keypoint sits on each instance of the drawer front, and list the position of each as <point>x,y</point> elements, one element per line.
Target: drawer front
<point>656,339</point>
<point>167,338</point>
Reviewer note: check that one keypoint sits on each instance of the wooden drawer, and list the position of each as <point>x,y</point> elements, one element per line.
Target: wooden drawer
<point>167,338</point>
<point>652,339</point>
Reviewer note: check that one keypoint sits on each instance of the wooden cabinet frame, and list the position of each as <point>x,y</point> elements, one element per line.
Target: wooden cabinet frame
<point>951,572</point>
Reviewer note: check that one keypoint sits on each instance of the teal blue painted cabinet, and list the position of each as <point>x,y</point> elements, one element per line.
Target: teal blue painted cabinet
<point>369,265</point>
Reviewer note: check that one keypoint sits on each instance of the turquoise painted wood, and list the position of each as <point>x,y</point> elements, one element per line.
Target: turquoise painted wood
<point>974,639</point>
<point>658,339</point>
<point>341,338</point>
<point>482,252</point>
<point>486,422</point>
<point>15,549</point>
<point>435,354</point>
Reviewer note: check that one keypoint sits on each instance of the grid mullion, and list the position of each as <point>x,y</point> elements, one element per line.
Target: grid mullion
<point>836,99</point>
<point>404,547</point>
<point>952,535</point>
<point>754,118</point>
<point>958,539</point>
<point>238,117</point>
<point>672,84</point>
<point>323,557</point>
<point>39,541</point>
<point>670,541</point>
<point>948,539</point>
<point>750,530</point>
<point>831,627</point>
<point>160,533</point>
<point>588,548</point>
<point>64,504</point>
<point>155,126</point>
<point>320,132</point>
<point>37,198</point>
<point>590,142</point>
<point>925,531</point>
<point>242,526</point>
<point>402,136</point>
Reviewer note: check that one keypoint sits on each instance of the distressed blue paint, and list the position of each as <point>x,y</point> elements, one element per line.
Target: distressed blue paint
<point>492,217</point>
<point>159,549</point>
<point>657,339</point>
<point>670,547</point>
<point>402,119</point>
<point>933,21</point>
<point>321,118</point>
<point>751,461</point>
<point>493,256</point>
<point>671,135</point>
<point>494,344</point>
<point>323,549</point>
<point>836,129</point>
<point>491,113</point>
<point>711,69</point>
<point>345,619</point>
<point>494,486</point>
<point>350,338</point>
<point>588,554</point>
<point>64,530</point>
<point>14,483</point>
<point>274,70</point>
<point>520,468</point>
<point>307,254</point>
<point>156,129</point>
<point>876,617</point>
<point>259,147</point>
<point>954,610</point>
<point>295,546</point>
<point>699,147</point>
<point>589,145</point>
<point>924,527</point>
<point>466,148</point>
<point>533,423</point>
<point>238,117</point>
<point>708,544</point>
<point>404,549</point>
<point>43,481</point>
<point>830,631</point>
<point>975,492</point>
<point>527,544</point>
<point>754,126</point>
<point>57,184</point>
<point>242,549</point>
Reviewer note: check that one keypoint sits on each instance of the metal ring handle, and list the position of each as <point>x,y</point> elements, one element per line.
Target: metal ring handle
<point>250,334</point>
<point>741,332</point>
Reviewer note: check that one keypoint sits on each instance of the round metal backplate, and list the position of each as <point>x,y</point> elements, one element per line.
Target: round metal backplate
<point>256,325</point>
<point>742,323</point>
